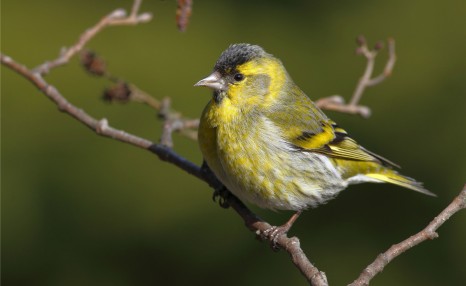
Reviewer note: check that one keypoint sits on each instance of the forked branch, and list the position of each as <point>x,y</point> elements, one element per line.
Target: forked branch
<point>117,17</point>
<point>337,103</point>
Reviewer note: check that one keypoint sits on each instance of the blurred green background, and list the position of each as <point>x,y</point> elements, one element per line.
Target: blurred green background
<point>78,209</point>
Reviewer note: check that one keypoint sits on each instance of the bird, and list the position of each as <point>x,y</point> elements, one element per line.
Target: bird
<point>270,145</point>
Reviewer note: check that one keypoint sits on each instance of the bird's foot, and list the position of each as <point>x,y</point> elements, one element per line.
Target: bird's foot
<point>273,233</point>
<point>221,194</point>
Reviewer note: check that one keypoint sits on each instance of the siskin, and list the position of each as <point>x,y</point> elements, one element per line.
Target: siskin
<point>270,145</point>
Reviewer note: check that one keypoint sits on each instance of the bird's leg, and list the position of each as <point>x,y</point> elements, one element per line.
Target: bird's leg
<point>275,232</point>
<point>222,195</point>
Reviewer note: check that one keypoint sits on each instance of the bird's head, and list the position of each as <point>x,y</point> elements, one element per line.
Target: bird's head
<point>245,75</point>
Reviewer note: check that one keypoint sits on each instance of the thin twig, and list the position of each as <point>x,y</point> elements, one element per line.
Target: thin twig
<point>168,123</point>
<point>387,71</point>
<point>117,17</point>
<point>362,83</point>
<point>366,80</point>
<point>175,122</point>
<point>141,96</point>
<point>337,103</point>
<point>99,126</point>
<point>429,232</point>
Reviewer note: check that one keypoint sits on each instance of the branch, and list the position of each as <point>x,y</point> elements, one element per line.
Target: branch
<point>337,103</point>
<point>117,17</point>
<point>173,121</point>
<point>429,232</point>
<point>101,127</point>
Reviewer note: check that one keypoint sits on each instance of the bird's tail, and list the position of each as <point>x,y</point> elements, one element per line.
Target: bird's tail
<point>392,177</point>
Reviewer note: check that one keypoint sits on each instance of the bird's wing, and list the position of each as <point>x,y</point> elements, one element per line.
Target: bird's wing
<point>308,129</point>
<point>335,142</point>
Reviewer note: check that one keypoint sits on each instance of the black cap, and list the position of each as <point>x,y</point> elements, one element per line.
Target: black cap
<point>238,54</point>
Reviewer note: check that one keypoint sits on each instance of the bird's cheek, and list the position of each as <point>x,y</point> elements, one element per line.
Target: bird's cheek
<point>262,84</point>
<point>234,92</point>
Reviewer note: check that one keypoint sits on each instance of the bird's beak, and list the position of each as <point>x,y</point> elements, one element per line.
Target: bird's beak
<point>213,81</point>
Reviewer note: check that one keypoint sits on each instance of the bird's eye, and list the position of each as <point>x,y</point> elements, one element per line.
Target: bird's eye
<point>238,77</point>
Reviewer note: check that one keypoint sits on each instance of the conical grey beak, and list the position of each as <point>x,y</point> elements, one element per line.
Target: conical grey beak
<point>213,81</point>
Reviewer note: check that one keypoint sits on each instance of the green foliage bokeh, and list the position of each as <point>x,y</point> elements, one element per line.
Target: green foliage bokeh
<point>78,209</point>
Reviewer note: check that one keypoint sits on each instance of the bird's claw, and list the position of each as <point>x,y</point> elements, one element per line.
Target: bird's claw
<point>221,192</point>
<point>222,195</point>
<point>273,233</point>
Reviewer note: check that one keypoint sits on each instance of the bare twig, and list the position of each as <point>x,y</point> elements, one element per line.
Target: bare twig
<point>387,71</point>
<point>168,124</point>
<point>370,55</point>
<point>117,17</point>
<point>99,126</point>
<point>337,103</point>
<point>365,81</point>
<point>429,232</point>
<point>174,122</point>
<point>141,96</point>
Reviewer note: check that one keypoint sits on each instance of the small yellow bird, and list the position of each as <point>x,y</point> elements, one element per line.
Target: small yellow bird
<point>270,145</point>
